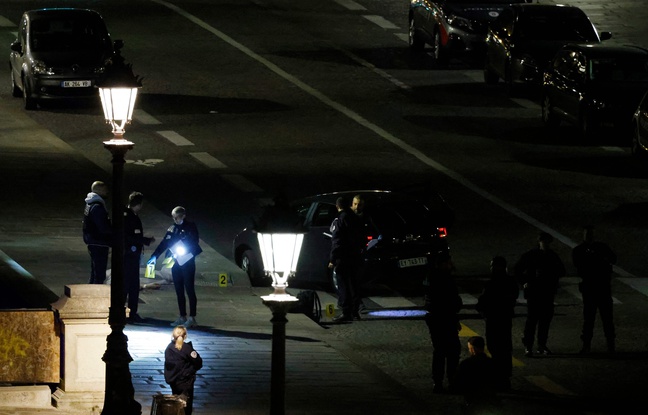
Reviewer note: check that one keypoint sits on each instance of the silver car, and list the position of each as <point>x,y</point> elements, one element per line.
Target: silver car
<point>59,55</point>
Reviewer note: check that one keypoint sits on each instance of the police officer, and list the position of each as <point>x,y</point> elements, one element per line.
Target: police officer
<point>538,271</point>
<point>593,261</point>
<point>346,259</point>
<point>181,243</point>
<point>97,231</point>
<point>134,240</point>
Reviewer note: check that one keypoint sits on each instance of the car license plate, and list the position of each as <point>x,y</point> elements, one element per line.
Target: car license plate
<point>76,84</point>
<point>412,262</point>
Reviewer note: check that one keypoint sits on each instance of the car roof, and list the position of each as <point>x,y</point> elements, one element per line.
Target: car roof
<point>545,9</point>
<point>61,11</point>
<point>602,50</point>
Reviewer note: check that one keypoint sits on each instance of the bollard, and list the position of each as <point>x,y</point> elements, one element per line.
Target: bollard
<point>168,404</point>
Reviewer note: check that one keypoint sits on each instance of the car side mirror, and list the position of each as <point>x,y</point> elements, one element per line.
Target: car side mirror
<point>118,44</point>
<point>606,35</point>
<point>16,46</point>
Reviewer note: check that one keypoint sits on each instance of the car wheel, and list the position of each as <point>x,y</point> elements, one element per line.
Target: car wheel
<point>636,148</point>
<point>416,44</point>
<point>439,54</point>
<point>250,265</point>
<point>29,101</point>
<point>15,91</point>
<point>549,118</point>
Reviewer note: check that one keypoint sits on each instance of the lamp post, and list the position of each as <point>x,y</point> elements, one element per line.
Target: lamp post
<point>280,252</point>
<point>118,90</point>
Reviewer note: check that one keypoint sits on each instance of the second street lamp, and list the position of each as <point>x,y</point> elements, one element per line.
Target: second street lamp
<point>118,90</point>
<point>280,253</point>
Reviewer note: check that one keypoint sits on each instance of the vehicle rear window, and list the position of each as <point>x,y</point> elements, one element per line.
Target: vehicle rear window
<point>618,70</point>
<point>556,27</point>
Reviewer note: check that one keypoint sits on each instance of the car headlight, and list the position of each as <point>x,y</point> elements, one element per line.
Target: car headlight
<point>460,22</point>
<point>39,68</point>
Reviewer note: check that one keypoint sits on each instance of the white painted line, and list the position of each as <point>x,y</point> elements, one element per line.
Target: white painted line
<point>639,284</point>
<point>475,75</point>
<point>350,5</point>
<point>4,22</point>
<point>326,298</point>
<point>468,299</point>
<point>241,183</point>
<point>613,149</point>
<point>175,138</point>
<point>548,385</point>
<point>380,21</point>
<point>380,132</point>
<point>392,302</point>
<point>402,36</point>
<point>145,118</point>
<point>208,160</point>
<point>526,103</point>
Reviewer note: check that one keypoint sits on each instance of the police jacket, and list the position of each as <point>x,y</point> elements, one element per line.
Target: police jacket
<point>134,238</point>
<point>187,232</point>
<point>540,270</point>
<point>347,239</point>
<point>97,229</point>
<point>499,297</point>
<point>180,366</point>
<point>593,261</point>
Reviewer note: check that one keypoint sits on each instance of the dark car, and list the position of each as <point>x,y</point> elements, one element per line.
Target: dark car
<point>452,27</point>
<point>525,37</point>
<point>595,86</point>
<point>639,145</point>
<point>59,54</point>
<point>404,234</point>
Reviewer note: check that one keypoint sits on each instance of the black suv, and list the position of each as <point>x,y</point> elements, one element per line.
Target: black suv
<point>59,54</point>
<point>406,232</point>
<point>452,27</point>
<point>595,86</point>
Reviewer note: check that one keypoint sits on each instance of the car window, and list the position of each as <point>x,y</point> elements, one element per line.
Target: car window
<point>395,219</point>
<point>555,27</point>
<point>58,34</point>
<point>324,214</point>
<point>617,70</point>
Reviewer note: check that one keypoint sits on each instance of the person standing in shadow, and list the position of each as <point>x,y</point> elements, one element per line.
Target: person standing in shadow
<point>497,305</point>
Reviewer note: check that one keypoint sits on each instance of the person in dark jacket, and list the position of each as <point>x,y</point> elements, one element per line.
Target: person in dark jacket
<point>181,242</point>
<point>443,303</point>
<point>476,379</point>
<point>497,305</point>
<point>346,259</point>
<point>97,231</point>
<point>538,271</point>
<point>134,241</point>
<point>593,261</point>
<point>181,362</point>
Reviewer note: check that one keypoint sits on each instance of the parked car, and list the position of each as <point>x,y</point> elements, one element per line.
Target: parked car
<point>524,37</point>
<point>595,86</point>
<point>639,145</point>
<point>59,54</point>
<point>452,27</point>
<point>406,234</point>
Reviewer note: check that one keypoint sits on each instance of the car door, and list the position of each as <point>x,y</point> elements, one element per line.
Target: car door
<point>314,257</point>
<point>573,85</point>
<point>17,54</point>
<point>499,41</point>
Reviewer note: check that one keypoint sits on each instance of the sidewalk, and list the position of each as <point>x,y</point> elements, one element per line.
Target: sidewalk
<point>45,182</point>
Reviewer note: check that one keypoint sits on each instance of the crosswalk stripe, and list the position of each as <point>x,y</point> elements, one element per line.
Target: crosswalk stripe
<point>392,302</point>
<point>638,284</point>
<point>175,138</point>
<point>208,160</point>
<point>350,5</point>
<point>4,22</point>
<point>145,118</point>
<point>380,21</point>
<point>548,385</point>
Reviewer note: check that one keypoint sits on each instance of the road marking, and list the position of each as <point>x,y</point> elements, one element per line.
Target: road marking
<point>175,138</point>
<point>380,21</point>
<point>241,183</point>
<point>402,36</point>
<point>548,385</point>
<point>208,160</point>
<point>466,331</point>
<point>468,299</point>
<point>380,132</point>
<point>145,118</point>
<point>392,302</point>
<point>613,149</point>
<point>4,22</point>
<point>640,285</point>
<point>351,5</point>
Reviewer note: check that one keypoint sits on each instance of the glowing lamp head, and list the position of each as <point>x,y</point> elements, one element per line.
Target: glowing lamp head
<point>280,253</point>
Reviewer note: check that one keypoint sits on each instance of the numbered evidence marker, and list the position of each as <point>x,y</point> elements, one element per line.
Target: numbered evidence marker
<point>223,279</point>
<point>330,310</point>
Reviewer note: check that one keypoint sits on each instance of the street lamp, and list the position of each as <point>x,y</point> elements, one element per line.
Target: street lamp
<point>280,252</point>
<point>118,90</point>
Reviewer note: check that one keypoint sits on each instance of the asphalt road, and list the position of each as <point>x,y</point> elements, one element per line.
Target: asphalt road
<point>311,97</point>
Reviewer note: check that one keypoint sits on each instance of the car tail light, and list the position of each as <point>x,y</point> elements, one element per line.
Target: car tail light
<point>443,232</point>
